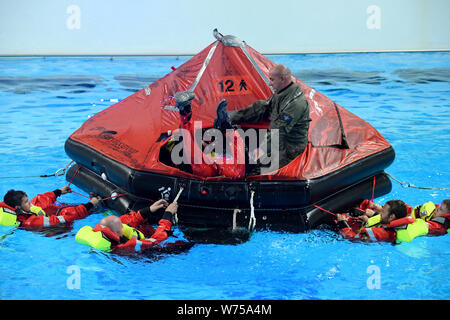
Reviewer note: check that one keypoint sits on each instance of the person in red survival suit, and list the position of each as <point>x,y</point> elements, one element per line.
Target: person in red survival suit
<point>394,215</point>
<point>368,214</point>
<point>131,233</point>
<point>41,211</point>
<point>232,166</point>
<point>439,223</point>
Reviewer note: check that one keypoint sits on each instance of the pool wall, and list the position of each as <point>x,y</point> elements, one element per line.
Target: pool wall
<point>114,27</point>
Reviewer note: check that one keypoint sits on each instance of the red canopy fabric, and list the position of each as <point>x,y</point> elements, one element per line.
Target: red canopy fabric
<point>128,131</point>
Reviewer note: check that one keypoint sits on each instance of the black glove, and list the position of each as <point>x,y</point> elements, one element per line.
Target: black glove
<point>222,122</point>
<point>342,224</point>
<point>183,102</point>
<point>168,216</point>
<point>145,213</point>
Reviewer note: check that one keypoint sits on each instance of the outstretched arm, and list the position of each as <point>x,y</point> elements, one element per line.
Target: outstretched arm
<point>135,219</point>
<point>46,199</point>
<point>365,234</point>
<point>157,237</point>
<point>255,112</point>
<point>67,214</point>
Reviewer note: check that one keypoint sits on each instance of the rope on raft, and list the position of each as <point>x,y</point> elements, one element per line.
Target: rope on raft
<point>410,185</point>
<point>103,199</point>
<point>175,216</point>
<point>58,173</point>
<point>252,220</point>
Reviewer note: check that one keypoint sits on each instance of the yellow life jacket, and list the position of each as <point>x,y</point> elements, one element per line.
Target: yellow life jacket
<point>8,217</point>
<point>410,231</point>
<point>129,232</point>
<point>37,211</point>
<point>424,211</point>
<point>98,240</point>
<point>94,239</point>
<point>373,221</point>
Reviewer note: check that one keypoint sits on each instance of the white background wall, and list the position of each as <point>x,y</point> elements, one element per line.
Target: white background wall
<point>112,27</point>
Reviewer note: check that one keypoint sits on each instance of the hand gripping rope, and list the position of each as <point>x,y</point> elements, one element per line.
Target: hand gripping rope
<point>403,184</point>
<point>333,214</point>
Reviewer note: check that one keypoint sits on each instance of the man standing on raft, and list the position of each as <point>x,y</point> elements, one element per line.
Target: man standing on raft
<point>287,109</point>
<point>288,112</point>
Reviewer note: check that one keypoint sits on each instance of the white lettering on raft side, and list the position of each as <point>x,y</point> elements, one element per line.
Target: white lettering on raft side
<point>205,311</point>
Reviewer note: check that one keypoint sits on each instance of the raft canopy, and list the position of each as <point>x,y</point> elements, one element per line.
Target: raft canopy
<point>133,131</point>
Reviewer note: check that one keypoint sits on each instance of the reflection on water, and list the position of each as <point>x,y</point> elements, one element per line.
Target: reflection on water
<point>135,82</point>
<point>68,83</point>
<point>424,75</point>
<point>216,236</point>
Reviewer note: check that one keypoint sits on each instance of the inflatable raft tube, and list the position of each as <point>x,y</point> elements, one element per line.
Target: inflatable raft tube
<point>277,205</point>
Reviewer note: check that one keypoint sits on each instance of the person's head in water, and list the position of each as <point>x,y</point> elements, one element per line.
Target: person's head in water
<point>18,200</point>
<point>444,208</point>
<point>113,223</point>
<point>392,210</point>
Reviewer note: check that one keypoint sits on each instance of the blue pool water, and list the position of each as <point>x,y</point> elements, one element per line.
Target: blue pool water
<point>406,96</point>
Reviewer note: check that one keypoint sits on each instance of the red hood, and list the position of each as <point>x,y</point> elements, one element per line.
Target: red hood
<point>107,232</point>
<point>4,205</point>
<point>400,222</point>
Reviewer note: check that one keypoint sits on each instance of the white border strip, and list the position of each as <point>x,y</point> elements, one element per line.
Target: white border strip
<point>203,68</point>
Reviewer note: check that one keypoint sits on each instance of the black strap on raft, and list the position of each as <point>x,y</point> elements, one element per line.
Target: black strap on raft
<point>344,143</point>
